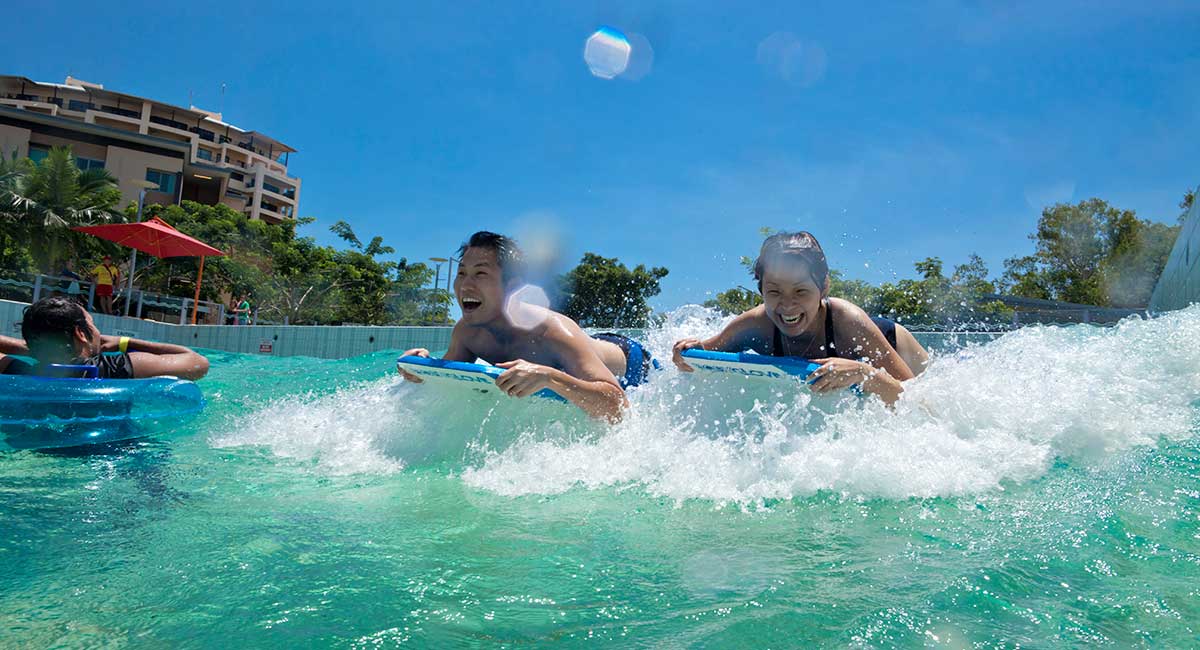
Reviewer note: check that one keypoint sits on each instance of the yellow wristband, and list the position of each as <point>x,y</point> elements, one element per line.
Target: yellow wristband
<point>123,346</point>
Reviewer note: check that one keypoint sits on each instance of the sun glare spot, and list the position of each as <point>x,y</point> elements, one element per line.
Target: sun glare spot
<point>527,307</point>
<point>607,53</point>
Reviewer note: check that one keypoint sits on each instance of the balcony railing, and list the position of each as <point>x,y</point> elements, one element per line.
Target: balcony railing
<point>289,192</point>
<point>204,134</point>
<point>123,112</point>
<point>169,122</point>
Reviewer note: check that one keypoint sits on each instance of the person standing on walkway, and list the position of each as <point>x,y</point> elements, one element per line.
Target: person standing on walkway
<point>241,313</point>
<point>107,276</point>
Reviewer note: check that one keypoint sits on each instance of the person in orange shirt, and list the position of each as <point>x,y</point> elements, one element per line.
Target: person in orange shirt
<point>107,276</point>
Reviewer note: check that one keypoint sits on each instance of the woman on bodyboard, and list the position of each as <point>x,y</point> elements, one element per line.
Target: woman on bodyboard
<point>798,318</point>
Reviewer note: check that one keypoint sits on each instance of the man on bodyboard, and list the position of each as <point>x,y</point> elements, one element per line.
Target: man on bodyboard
<point>538,348</point>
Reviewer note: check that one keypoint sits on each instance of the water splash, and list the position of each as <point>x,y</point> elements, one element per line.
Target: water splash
<point>978,420</point>
<point>340,432</point>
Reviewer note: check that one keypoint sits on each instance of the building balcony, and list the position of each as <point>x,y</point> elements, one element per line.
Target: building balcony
<point>114,120</point>
<point>284,211</point>
<point>164,121</point>
<point>272,168</point>
<point>47,108</point>
<point>269,213</point>
<point>270,191</point>
<point>203,134</point>
<point>123,112</point>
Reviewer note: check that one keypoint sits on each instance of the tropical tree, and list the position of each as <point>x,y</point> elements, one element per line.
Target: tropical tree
<point>734,301</point>
<point>603,292</point>
<point>294,278</point>
<point>411,302</point>
<point>40,203</point>
<point>15,206</point>
<point>1092,253</point>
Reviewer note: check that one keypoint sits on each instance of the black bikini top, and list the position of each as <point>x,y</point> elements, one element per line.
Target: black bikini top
<point>885,325</point>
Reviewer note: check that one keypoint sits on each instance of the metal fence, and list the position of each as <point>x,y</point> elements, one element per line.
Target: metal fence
<point>30,287</point>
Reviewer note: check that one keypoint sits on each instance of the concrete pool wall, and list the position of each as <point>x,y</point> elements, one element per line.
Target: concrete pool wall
<point>330,342</point>
<point>327,342</point>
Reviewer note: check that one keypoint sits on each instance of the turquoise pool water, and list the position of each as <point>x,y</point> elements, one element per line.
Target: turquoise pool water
<point>1042,490</point>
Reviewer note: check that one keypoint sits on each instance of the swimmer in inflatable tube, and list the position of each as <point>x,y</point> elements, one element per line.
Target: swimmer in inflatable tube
<point>552,352</point>
<point>798,318</point>
<point>57,330</point>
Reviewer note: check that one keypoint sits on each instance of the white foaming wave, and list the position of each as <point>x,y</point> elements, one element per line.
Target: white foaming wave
<point>342,432</point>
<point>384,426</point>
<point>975,421</point>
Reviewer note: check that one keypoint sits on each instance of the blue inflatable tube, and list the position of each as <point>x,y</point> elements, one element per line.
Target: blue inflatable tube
<point>52,412</point>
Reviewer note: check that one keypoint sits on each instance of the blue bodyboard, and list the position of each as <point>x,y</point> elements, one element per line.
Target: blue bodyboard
<point>458,375</point>
<point>749,365</point>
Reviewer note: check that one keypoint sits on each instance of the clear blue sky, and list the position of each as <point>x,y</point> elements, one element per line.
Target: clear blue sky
<point>892,134</point>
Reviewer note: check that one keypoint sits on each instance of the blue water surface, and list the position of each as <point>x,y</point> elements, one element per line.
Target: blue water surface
<point>1042,490</point>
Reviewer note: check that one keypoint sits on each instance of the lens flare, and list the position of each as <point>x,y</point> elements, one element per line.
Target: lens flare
<point>527,307</point>
<point>607,53</point>
<point>641,59</point>
<point>797,62</point>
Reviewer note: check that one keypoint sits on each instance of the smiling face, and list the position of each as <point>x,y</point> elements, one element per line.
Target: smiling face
<point>791,296</point>
<point>479,286</point>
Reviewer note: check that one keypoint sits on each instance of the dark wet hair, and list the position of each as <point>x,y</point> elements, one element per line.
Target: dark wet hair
<point>53,317</point>
<point>509,255</point>
<point>800,244</point>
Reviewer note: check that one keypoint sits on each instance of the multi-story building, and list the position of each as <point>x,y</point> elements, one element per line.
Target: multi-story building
<point>190,153</point>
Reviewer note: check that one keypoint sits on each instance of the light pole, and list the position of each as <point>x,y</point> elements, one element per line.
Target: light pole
<point>142,186</point>
<point>438,272</point>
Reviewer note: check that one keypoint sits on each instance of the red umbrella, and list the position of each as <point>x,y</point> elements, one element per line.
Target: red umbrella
<point>156,237</point>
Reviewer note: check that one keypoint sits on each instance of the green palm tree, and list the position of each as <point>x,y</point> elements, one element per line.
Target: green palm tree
<point>42,202</point>
<point>15,202</point>
<point>67,196</point>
